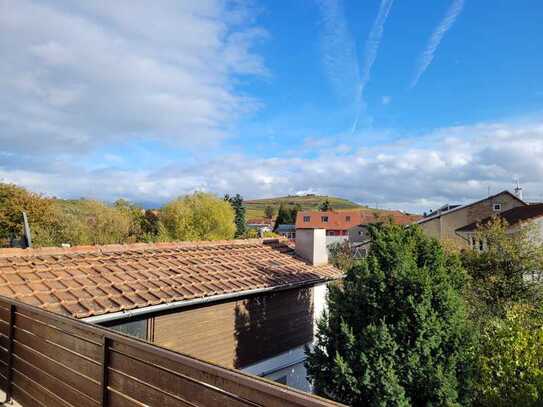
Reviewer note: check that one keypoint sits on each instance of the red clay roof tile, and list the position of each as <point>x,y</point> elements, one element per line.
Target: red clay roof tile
<point>95,280</point>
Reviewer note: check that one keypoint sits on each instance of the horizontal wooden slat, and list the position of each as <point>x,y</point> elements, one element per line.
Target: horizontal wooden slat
<point>172,382</point>
<point>4,314</point>
<point>54,385</point>
<point>117,399</point>
<point>57,361</point>
<point>247,387</point>
<point>83,366</point>
<point>38,392</point>
<point>4,328</point>
<point>4,341</point>
<point>144,393</point>
<point>24,399</point>
<point>62,324</point>
<point>4,355</point>
<point>59,371</point>
<point>55,335</point>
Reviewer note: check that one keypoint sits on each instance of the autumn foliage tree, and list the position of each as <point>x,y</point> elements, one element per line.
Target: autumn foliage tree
<point>200,216</point>
<point>41,212</point>
<point>508,270</point>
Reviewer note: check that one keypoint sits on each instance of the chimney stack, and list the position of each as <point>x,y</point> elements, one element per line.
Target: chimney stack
<point>311,245</point>
<point>518,190</point>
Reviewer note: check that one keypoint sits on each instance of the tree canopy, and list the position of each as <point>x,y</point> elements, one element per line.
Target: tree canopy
<point>239,213</point>
<point>269,211</point>
<point>510,359</point>
<point>507,271</point>
<point>40,210</point>
<point>287,215</point>
<point>397,331</point>
<point>200,216</point>
<point>325,206</point>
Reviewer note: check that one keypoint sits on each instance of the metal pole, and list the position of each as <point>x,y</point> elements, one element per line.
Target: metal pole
<point>105,374</point>
<point>28,237</point>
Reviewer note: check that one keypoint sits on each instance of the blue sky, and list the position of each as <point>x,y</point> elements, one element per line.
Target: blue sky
<point>398,104</point>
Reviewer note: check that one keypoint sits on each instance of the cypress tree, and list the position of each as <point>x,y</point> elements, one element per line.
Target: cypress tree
<point>396,332</point>
<point>239,210</point>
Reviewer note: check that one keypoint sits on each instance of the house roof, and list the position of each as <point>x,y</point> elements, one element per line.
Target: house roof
<point>459,207</point>
<point>87,281</point>
<point>512,216</point>
<point>343,220</point>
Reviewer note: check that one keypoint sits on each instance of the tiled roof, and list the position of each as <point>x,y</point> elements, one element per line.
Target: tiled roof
<point>344,220</point>
<point>512,216</point>
<point>93,280</point>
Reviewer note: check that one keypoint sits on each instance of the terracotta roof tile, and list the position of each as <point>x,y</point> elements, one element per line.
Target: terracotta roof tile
<point>95,280</point>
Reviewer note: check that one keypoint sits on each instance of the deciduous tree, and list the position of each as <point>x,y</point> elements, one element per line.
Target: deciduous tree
<point>507,270</point>
<point>41,212</point>
<point>200,216</point>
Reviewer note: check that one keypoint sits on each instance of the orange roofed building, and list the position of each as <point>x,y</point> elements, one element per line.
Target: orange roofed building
<point>338,223</point>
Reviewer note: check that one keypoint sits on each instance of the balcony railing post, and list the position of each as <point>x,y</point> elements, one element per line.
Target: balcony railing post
<point>9,372</point>
<point>105,363</point>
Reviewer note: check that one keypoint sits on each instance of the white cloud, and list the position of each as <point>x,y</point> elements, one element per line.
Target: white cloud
<point>435,39</point>
<point>385,100</point>
<point>77,74</point>
<point>454,165</point>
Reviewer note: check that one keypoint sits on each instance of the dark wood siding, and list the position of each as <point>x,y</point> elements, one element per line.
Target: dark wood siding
<point>48,360</point>
<point>240,333</point>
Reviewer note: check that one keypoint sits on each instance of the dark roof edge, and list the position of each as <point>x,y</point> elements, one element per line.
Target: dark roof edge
<point>424,220</point>
<point>153,309</point>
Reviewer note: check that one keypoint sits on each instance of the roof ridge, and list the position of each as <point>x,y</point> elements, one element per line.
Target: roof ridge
<point>109,248</point>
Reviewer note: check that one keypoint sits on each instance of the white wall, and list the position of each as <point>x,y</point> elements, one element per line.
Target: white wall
<point>311,245</point>
<point>290,365</point>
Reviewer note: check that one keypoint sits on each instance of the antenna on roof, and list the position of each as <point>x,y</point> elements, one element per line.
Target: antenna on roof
<point>28,237</point>
<point>518,189</point>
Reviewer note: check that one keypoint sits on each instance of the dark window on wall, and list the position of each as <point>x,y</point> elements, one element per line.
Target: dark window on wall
<point>347,218</point>
<point>324,219</point>
<point>137,329</point>
<point>497,207</point>
<point>307,218</point>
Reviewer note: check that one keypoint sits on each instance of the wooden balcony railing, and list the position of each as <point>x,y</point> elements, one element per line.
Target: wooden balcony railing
<point>50,360</point>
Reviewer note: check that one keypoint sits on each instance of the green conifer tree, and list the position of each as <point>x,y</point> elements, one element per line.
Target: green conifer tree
<point>239,210</point>
<point>397,332</point>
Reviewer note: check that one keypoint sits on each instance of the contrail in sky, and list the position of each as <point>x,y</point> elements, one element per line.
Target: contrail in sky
<point>428,55</point>
<point>338,49</point>
<point>370,53</point>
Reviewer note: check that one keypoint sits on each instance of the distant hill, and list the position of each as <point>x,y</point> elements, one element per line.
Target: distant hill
<point>255,207</point>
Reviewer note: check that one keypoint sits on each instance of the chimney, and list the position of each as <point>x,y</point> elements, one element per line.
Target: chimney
<point>311,245</point>
<point>518,190</point>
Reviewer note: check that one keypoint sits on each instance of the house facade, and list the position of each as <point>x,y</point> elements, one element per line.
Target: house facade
<point>246,304</point>
<point>516,218</point>
<point>338,224</point>
<point>443,225</point>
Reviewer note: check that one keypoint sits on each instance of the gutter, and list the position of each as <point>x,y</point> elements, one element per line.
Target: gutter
<point>115,316</point>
